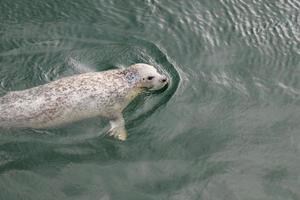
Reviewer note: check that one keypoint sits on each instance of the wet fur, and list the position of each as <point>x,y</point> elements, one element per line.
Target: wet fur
<point>68,99</point>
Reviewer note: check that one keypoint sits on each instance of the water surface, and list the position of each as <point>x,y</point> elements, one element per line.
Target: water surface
<point>226,128</point>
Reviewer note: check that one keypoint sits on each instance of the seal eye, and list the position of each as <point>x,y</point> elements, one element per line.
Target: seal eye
<point>150,78</point>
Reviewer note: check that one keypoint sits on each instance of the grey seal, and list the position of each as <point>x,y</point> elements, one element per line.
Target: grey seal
<point>78,97</point>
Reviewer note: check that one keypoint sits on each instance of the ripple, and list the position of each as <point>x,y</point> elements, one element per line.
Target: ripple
<point>44,60</point>
<point>232,105</point>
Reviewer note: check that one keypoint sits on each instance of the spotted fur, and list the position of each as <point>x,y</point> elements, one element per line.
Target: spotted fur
<point>73,98</point>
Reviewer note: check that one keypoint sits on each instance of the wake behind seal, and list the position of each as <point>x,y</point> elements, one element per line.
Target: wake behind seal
<point>78,97</point>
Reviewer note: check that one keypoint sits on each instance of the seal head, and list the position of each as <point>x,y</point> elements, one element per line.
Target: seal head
<point>146,77</point>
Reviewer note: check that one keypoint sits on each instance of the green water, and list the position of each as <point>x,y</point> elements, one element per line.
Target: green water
<point>228,126</point>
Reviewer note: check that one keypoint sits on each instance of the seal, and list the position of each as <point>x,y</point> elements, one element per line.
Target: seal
<point>78,97</point>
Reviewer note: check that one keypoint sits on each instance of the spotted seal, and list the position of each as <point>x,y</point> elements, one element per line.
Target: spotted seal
<point>78,97</point>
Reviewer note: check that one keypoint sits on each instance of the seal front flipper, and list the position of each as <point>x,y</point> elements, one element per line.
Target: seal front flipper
<point>117,129</point>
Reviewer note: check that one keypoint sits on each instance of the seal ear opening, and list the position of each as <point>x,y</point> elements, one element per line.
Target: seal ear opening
<point>132,77</point>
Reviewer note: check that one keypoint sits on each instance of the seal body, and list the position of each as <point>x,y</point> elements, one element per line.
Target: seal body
<point>77,97</point>
<point>67,100</point>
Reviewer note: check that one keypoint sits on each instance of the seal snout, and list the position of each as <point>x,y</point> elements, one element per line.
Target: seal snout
<point>164,79</point>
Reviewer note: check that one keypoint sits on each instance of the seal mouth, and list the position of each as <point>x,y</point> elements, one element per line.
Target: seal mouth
<point>161,89</point>
<point>165,86</point>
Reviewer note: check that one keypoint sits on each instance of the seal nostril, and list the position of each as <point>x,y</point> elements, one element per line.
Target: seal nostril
<point>164,80</point>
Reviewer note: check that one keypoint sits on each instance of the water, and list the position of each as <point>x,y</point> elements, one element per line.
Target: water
<point>226,128</point>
